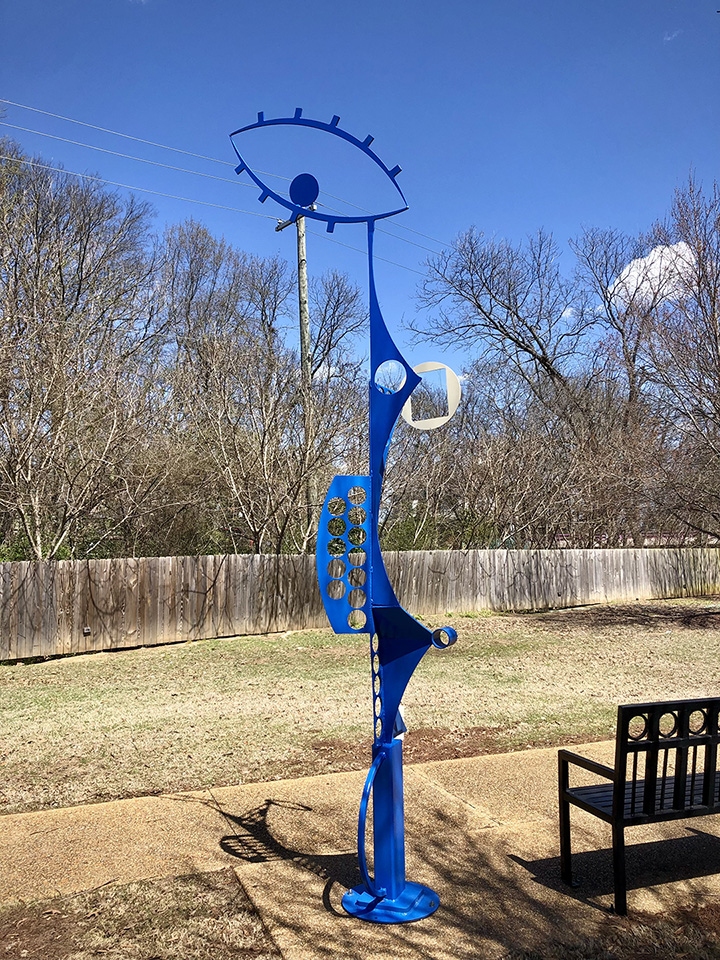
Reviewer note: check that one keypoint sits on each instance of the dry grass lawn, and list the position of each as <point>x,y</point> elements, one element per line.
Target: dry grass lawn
<point>214,712</point>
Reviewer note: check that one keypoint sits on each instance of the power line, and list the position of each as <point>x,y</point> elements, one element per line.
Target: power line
<point>364,253</point>
<point>127,186</point>
<point>115,133</point>
<point>157,193</point>
<point>198,156</point>
<point>125,156</point>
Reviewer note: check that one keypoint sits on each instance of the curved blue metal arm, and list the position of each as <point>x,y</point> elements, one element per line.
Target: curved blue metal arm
<point>362,823</point>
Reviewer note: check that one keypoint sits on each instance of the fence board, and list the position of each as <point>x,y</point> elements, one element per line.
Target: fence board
<point>45,607</point>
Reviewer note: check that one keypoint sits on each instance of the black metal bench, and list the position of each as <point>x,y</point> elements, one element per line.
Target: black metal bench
<point>665,769</point>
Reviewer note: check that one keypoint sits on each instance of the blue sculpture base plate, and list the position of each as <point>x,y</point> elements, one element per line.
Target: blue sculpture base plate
<point>414,903</point>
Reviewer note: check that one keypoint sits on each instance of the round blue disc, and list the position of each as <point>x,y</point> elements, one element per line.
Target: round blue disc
<point>304,190</point>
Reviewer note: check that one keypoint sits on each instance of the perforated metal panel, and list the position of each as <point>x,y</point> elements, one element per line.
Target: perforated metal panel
<point>342,554</point>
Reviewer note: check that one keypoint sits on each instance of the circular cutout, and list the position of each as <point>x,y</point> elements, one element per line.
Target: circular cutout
<point>378,728</point>
<point>375,643</point>
<point>304,190</point>
<point>378,706</point>
<point>452,389</point>
<point>357,557</point>
<point>376,663</point>
<point>337,526</point>
<point>356,620</point>
<point>357,598</point>
<point>357,536</point>
<point>336,506</point>
<point>336,568</point>
<point>336,548</point>
<point>356,515</point>
<point>376,685</point>
<point>357,495</point>
<point>668,724</point>
<point>357,577</point>
<point>390,376</point>
<point>697,722</point>
<point>637,728</point>
<point>336,589</point>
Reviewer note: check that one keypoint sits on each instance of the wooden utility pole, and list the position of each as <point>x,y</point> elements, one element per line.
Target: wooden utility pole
<point>304,309</point>
<point>305,365</point>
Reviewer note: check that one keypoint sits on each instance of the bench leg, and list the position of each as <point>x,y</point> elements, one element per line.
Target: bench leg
<point>565,851</point>
<point>564,810</point>
<point>619,876</point>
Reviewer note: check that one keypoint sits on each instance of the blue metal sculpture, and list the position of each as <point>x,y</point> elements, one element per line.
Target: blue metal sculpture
<point>353,581</point>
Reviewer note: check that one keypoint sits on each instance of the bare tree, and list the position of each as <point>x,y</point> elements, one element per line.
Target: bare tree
<point>238,390</point>
<point>684,356</point>
<point>77,330</point>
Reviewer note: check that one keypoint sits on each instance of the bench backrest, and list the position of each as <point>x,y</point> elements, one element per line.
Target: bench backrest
<point>672,747</point>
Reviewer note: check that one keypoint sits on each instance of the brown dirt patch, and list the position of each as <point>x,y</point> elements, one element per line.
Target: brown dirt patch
<point>424,745</point>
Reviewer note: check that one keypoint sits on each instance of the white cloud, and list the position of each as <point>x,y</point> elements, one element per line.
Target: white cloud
<point>669,37</point>
<point>657,276</point>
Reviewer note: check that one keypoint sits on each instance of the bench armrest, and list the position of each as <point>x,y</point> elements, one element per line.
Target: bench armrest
<point>565,757</point>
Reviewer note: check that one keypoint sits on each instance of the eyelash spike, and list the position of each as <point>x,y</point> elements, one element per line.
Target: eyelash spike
<point>395,171</point>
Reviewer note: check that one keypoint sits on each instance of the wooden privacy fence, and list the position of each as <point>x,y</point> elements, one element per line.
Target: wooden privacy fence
<point>49,608</point>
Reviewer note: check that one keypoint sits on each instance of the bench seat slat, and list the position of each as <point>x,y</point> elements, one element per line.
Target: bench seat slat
<point>599,797</point>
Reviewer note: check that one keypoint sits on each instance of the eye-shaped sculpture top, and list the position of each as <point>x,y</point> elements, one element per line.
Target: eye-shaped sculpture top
<point>304,188</point>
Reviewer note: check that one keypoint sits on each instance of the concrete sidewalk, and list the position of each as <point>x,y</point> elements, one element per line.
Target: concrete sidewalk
<point>482,832</point>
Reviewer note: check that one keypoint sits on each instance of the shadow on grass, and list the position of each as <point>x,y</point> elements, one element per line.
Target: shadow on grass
<point>665,615</point>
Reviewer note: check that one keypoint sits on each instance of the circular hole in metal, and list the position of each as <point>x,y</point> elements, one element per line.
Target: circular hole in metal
<point>357,536</point>
<point>376,685</point>
<point>356,515</point>
<point>697,722</point>
<point>357,495</point>
<point>356,620</point>
<point>337,506</point>
<point>378,706</point>
<point>337,527</point>
<point>336,548</point>
<point>357,557</point>
<point>357,577</point>
<point>336,568</point>
<point>378,728</point>
<point>390,376</point>
<point>336,589</point>
<point>376,663</point>
<point>637,728</point>
<point>668,724</point>
<point>375,643</point>
<point>357,598</point>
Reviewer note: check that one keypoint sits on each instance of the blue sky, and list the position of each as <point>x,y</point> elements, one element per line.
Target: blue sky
<point>506,114</point>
